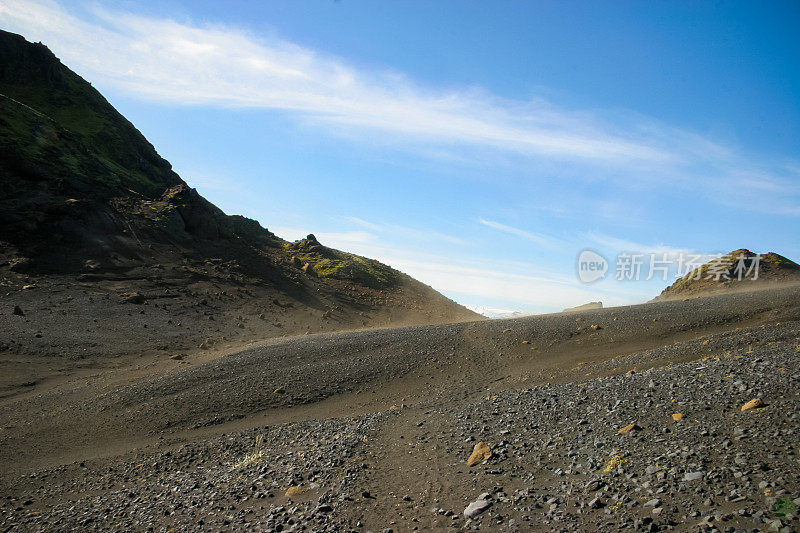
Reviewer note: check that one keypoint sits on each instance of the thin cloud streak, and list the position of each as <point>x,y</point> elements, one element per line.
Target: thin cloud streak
<point>539,239</point>
<point>624,245</point>
<point>165,60</point>
<point>213,65</point>
<point>531,287</point>
<point>365,223</point>
<point>531,292</point>
<point>416,234</point>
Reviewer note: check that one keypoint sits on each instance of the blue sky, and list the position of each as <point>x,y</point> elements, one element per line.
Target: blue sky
<point>478,146</point>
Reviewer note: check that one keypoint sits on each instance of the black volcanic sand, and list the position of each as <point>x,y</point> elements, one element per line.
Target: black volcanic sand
<point>375,427</point>
<point>72,328</point>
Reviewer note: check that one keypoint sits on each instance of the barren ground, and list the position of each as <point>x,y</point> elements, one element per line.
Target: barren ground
<point>375,426</point>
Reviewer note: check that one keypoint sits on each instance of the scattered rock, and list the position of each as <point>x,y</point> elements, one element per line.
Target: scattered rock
<point>628,429</point>
<point>18,311</point>
<point>294,491</point>
<point>478,506</point>
<point>480,453</point>
<point>753,404</point>
<point>594,485</point>
<point>677,417</point>
<point>693,476</point>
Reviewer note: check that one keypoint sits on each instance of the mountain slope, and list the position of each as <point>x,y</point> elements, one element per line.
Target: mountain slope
<point>738,270</point>
<point>89,210</point>
<point>74,168</point>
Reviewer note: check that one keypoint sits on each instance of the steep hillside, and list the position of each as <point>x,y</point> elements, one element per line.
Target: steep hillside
<point>78,177</point>
<point>103,247</point>
<point>736,271</point>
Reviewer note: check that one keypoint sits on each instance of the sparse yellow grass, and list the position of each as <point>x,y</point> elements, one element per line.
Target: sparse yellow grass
<point>613,463</point>
<point>256,456</point>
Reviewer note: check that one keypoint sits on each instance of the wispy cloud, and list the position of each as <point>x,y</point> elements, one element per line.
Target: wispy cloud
<point>625,245</point>
<point>164,60</point>
<point>540,287</point>
<point>541,293</point>
<point>537,238</point>
<point>213,65</point>
<point>416,234</point>
<point>365,223</point>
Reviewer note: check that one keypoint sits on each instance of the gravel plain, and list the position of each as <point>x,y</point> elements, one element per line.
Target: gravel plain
<point>550,401</point>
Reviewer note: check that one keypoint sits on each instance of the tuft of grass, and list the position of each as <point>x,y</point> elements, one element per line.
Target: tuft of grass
<point>613,463</point>
<point>785,508</point>
<point>616,506</point>
<point>258,455</point>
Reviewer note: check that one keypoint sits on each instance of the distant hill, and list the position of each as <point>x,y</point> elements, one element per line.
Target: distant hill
<point>84,196</point>
<point>736,271</point>
<point>584,307</point>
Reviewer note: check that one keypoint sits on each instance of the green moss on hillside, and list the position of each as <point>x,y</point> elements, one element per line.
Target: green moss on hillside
<point>727,262</point>
<point>330,263</point>
<point>56,125</point>
<point>722,272</point>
